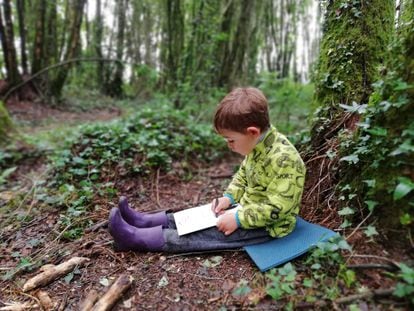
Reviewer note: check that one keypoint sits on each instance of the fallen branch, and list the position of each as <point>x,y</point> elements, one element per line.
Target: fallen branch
<point>97,226</point>
<point>64,63</point>
<point>115,292</point>
<point>347,299</point>
<point>89,301</point>
<point>373,266</point>
<point>52,272</point>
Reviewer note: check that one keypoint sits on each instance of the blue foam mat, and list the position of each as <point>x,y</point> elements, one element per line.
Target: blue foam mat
<point>278,251</point>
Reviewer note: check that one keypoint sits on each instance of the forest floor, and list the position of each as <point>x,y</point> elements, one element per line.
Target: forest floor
<point>161,281</point>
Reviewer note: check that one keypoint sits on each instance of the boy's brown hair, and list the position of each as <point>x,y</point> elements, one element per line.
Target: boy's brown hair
<point>240,109</point>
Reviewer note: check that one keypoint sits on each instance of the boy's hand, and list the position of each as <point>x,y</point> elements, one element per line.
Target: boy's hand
<point>219,205</point>
<point>227,223</point>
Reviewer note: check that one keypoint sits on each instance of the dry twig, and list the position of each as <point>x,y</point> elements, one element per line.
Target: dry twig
<point>52,272</point>
<point>115,292</point>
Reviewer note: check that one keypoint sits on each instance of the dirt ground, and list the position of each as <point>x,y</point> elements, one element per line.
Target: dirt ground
<point>161,281</point>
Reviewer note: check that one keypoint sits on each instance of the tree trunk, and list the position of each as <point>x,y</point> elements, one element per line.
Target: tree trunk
<point>9,50</point>
<point>353,46</point>
<point>225,45</point>
<point>116,84</point>
<point>174,42</point>
<point>38,46</point>
<point>387,160</point>
<point>98,31</point>
<point>22,32</point>
<point>71,49</point>
<point>241,42</point>
<point>255,39</point>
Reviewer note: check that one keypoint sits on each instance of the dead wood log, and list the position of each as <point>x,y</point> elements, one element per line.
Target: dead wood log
<point>89,301</point>
<point>114,293</point>
<point>52,272</point>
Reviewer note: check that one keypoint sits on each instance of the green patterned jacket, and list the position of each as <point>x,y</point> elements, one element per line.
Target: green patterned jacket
<point>269,186</point>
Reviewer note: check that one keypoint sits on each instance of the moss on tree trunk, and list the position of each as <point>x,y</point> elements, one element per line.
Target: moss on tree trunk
<point>354,44</point>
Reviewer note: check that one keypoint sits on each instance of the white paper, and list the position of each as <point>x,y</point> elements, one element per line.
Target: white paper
<point>196,218</point>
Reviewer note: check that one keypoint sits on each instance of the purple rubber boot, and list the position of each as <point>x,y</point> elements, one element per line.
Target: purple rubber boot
<point>129,238</point>
<point>141,220</point>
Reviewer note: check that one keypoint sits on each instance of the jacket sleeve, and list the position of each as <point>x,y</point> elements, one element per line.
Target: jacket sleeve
<point>236,188</point>
<point>276,207</point>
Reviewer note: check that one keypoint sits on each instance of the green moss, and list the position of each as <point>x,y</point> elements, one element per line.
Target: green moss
<point>385,145</point>
<point>354,44</point>
<point>6,125</point>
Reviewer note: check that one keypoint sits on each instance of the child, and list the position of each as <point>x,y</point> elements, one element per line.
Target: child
<point>268,186</point>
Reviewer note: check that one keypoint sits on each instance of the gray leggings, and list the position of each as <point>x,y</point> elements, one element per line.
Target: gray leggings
<point>210,239</point>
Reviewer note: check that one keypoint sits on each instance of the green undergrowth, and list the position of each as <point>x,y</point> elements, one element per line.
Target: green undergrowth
<point>321,281</point>
<point>104,154</point>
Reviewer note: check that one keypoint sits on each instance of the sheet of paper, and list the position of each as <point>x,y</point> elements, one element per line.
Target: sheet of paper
<point>196,218</point>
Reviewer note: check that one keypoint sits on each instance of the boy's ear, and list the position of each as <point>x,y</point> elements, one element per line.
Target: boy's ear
<point>254,131</point>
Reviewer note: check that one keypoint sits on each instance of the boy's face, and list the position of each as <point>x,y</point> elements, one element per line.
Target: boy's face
<point>241,143</point>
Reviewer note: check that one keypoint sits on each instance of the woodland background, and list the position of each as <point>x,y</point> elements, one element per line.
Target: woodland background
<point>101,98</point>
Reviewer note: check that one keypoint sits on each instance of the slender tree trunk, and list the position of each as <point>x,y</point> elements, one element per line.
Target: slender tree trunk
<point>13,75</point>
<point>38,52</point>
<point>116,85</point>
<point>64,32</point>
<point>4,41</point>
<point>51,54</point>
<point>174,32</point>
<point>148,30</point>
<point>98,42</point>
<point>255,39</point>
<point>72,49</point>
<point>22,32</point>
<point>225,46</point>
<point>241,42</point>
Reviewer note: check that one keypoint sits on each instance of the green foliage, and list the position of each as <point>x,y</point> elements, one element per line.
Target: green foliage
<point>405,288</point>
<point>382,150</point>
<point>6,125</point>
<point>147,140</point>
<point>282,281</point>
<point>329,269</point>
<point>289,102</point>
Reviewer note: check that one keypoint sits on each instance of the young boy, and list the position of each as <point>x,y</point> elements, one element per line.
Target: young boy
<point>268,187</point>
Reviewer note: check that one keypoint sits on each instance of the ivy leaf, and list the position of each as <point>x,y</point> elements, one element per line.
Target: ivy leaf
<point>401,290</point>
<point>370,182</point>
<point>346,211</point>
<point>242,289</point>
<point>371,204</point>
<point>345,224</point>
<point>104,281</point>
<point>378,131</point>
<point>355,108</point>
<point>6,173</point>
<point>307,283</point>
<point>370,231</point>
<point>405,147</point>
<point>163,282</point>
<point>68,278</point>
<point>406,219</point>
<point>403,188</point>
<point>353,158</point>
<point>402,86</point>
